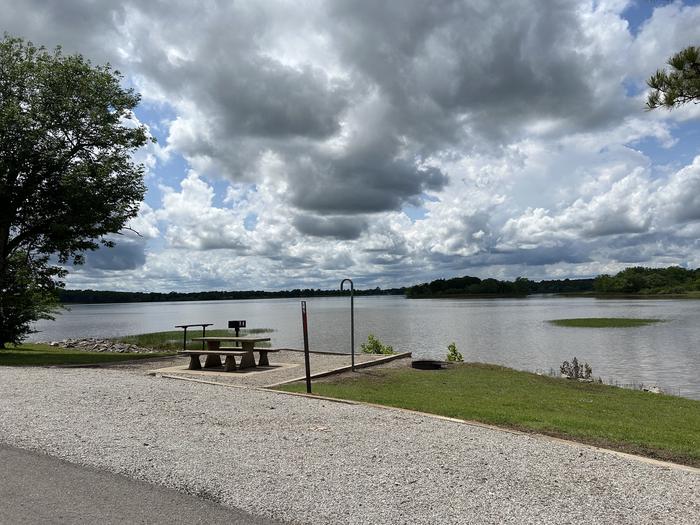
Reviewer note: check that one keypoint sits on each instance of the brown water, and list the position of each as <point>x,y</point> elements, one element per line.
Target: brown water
<point>512,332</point>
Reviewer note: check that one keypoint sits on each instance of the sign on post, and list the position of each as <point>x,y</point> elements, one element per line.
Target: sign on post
<point>237,325</point>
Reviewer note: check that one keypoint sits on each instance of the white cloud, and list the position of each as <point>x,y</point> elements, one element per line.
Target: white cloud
<point>520,130</point>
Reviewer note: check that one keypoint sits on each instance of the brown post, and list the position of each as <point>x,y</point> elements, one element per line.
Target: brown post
<point>306,347</point>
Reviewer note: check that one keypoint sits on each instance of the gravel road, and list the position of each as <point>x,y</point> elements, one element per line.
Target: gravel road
<point>313,461</point>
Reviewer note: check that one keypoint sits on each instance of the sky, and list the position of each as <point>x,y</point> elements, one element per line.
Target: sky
<point>302,142</point>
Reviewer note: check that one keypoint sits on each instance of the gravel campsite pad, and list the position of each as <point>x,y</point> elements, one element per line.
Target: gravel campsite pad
<point>316,461</point>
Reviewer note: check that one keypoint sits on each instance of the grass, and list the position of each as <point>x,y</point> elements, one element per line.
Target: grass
<point>166,342</point>
<point>653,425</point>
<point>171,341</point>
<point>604,322</point>
<point>44,355</point>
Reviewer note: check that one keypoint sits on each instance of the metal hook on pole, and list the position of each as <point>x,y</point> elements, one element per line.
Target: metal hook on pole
<point>352,320</point>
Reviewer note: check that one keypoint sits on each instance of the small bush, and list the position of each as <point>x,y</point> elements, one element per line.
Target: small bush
<point>575,370</point>
<point>453,354</point>
<point>375,346</point>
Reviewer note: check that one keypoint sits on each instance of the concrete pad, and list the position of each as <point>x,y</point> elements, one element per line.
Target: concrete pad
<point>221,371</point>
<point>288,366</point>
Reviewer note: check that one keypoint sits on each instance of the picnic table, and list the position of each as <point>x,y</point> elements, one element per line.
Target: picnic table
<point>214,352</point>
<point>186,326</point>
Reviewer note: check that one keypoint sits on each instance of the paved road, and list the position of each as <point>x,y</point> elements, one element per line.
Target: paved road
<point>38,489</point>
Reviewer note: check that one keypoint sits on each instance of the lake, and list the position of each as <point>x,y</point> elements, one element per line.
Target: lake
<point>511,332</point>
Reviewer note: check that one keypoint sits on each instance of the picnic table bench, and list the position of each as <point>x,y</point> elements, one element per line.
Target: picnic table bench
<point>214,352</point>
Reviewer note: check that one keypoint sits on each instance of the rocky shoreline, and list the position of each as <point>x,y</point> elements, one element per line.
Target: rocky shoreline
<point>90,344</point>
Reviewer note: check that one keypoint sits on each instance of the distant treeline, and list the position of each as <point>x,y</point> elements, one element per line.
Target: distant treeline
<point>650,281</point>
<point>638,280</point>
<point>461,286</point>
<point>101,296</point>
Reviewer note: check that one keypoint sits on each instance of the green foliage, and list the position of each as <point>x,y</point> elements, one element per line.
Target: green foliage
<point>105,296</point>
<point>67,178</point>
<point>660,426</point>
<point>604,322</point>
<point>678,86</point>
<point>28,294</point>
<point>453,354</point>
<point>460,286</point>
<point>575,370</point>
<point>375,346</point>
<point>649,281</point>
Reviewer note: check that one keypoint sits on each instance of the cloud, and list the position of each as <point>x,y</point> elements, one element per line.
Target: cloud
<point>517,130</point>
<point>345,228</point>
<point>125,255</point>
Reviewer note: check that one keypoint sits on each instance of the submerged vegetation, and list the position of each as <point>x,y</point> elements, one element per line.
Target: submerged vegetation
<point>171,341</point>
<point>603,322</point>
<point>654,425</point>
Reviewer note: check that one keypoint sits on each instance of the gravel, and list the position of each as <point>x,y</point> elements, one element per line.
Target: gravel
<point>90,344</point>
<point>314,461</point>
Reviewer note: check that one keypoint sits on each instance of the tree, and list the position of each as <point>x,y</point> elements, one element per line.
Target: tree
<point>679,86</point>
<point>67,178</point>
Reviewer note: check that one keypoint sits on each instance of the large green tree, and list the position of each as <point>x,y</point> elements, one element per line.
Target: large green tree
<point>678,85</point>
<point>67,177</point>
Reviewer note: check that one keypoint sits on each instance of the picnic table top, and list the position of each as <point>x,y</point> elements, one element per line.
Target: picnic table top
<point>242,339</point>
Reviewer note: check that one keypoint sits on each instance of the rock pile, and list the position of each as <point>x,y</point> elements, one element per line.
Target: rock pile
<point>90,344</point>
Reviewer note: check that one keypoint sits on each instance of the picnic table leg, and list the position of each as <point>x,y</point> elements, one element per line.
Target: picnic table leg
<point>248,360</point>
<point>194,362</point>
<point>263,358</point>
<point>230,363</point>
<point>212,360</point>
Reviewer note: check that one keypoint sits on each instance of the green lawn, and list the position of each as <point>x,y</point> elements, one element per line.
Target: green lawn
<point>172,340</point>
<point>653,425</point>
<point>42,355</point>
<point>604,322</point>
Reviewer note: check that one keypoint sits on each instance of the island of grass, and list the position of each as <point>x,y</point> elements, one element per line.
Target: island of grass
<point>604,322</point>
<point>45,355</point>
<point>658,426</point>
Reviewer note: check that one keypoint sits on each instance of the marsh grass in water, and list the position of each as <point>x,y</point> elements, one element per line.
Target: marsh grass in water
<point>654,425</point>
<point>171,341</point>
<point>45,355</point>
<point>603,322</point>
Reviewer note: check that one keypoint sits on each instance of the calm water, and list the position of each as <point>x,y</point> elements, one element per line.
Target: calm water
<point>511,332</point>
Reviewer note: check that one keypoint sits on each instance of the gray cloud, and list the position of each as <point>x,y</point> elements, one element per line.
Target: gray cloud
<point>419,80</point>
<point>359,183</point>
<point>453,64</point>
<point>438,76</point>
<point>343,228</point>
<point>125,255</point>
